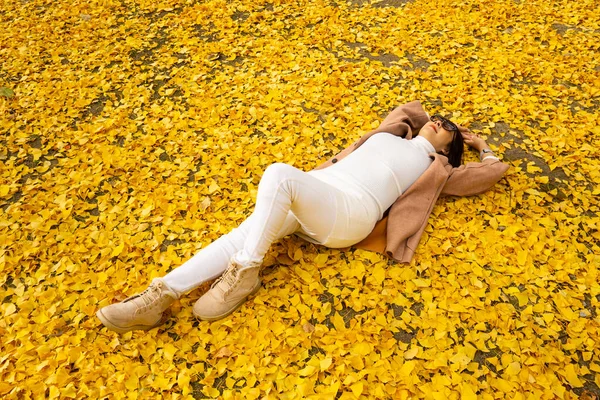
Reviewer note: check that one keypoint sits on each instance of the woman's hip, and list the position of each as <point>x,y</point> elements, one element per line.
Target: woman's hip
<point>356,216</point>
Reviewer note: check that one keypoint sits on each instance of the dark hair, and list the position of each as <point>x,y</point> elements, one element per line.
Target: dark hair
<point>455,153</point>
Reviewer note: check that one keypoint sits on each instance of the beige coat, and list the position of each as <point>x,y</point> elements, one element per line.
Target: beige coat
<point>398,233</point>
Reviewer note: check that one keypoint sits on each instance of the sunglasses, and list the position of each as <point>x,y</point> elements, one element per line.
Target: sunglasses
<point>446,123</point>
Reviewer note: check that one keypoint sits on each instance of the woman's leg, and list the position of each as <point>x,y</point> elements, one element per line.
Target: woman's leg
<point>211,261</point>
<point>284,189</point>
<point>288,200</point>
<point>284,193</point>
<point>145,310</point>
<point>321,210</point>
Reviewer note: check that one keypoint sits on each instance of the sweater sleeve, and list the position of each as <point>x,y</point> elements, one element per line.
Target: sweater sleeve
<point>474,178</point>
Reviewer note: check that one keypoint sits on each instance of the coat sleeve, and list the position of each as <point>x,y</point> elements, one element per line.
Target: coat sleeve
<point>474,178</point>
<point>405,120</point>
<point>402,121</point>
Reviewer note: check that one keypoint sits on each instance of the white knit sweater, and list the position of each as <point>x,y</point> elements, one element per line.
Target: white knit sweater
<point>383,168</point>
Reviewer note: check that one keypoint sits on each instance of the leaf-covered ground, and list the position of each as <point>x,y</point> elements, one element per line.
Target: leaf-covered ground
<point>133,133</point>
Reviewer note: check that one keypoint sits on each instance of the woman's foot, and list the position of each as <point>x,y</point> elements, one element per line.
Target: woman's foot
<point>142,311</point>
<point>228,292</point>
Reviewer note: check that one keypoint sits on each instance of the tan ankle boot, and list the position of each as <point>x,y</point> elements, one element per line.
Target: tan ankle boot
<point>228,292</point>
<point>142,311</point>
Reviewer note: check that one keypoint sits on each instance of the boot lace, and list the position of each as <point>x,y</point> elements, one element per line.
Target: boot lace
<point>148,297</point>
<point>229,278</point>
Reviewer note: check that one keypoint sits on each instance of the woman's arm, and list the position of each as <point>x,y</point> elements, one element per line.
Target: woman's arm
<point>478,144</point>
<point>405,120</point>
<point>476,177</point>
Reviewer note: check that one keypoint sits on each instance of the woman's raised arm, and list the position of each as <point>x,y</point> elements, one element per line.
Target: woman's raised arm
<point>475,177</point>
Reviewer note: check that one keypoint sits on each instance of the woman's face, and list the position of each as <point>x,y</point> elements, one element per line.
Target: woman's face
<point>437,136</point>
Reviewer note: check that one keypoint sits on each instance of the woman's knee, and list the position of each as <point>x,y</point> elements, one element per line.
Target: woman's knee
<point>278,172</point>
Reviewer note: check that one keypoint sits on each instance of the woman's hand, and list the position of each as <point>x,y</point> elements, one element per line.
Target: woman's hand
<point>474,141</point>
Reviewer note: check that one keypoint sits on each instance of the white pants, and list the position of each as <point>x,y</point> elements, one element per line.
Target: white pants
<point>288,201</point>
